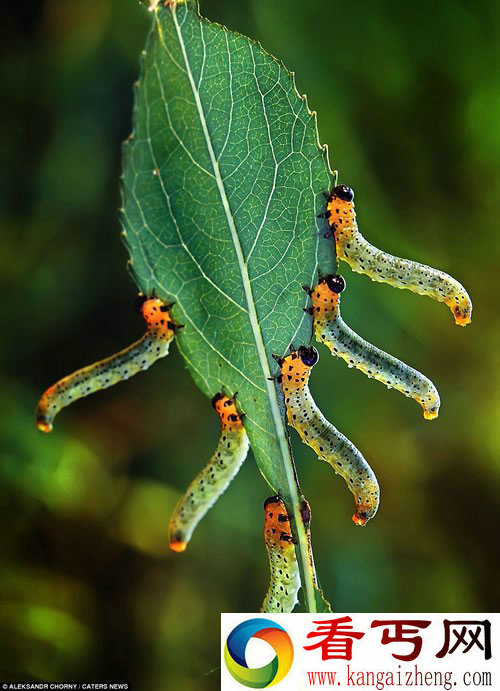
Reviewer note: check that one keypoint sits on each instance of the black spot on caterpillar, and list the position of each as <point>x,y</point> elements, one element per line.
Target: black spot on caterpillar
<point>137,357</point>
<point>366,259</point>
<point>318,433</point>
<point>285,578</point>
<point>345,343</point>
<point>215,477</point>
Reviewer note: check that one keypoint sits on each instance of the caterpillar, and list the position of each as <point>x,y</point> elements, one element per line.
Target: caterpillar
<point>345,343</point>
<point>215,477</point>
<point>364,258</point>
<point>137,357</point>
<point>285,578</point>
<point>318,433</point>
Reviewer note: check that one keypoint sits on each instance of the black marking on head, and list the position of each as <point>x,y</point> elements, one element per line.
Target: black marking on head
<point>139,302</point>
<point>336,283</point>
<point>276,499</point>
<point>308,355</point>
<point>279,360</point>
<point>343,192</point>
<point>217,398</point>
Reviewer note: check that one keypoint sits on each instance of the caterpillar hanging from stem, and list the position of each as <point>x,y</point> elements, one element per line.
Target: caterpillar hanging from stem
<point>318,433</point>
<point>380,266</point>
<point>345,343</point>
<point>137,357</point>
<point>215,477</point>
<point>280,545</point>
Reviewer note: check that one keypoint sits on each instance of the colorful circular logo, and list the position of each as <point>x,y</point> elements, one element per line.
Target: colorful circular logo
<point>235,649</point>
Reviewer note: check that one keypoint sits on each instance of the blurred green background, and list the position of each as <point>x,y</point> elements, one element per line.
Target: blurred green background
<point>409,103</point>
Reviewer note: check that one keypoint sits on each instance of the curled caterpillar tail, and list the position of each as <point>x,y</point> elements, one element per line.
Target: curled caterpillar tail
<point>366,259</point>
<point>215,477</point>
<point>137,357</point>
<point>285,578</point>
<point>328,443</point>
<point>345,343</point>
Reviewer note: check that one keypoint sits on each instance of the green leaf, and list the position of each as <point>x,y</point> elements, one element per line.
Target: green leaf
<point>223,179</point>
<point>322,605</point>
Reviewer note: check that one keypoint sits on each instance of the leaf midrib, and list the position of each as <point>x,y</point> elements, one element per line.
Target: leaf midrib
<point>303,547</point>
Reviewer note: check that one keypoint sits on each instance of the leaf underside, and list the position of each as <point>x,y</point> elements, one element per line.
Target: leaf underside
<point>222,181</point>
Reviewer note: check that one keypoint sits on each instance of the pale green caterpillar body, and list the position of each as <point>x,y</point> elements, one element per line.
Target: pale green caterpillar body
<point>284,571</point>
<point>215,477</point>
<point>380,266</point>
<point>345,343</point>
<point>318,433</point>
<point>135,358</point>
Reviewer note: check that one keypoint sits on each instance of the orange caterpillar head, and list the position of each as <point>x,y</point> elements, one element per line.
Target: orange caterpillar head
<point>156,313</point>
<point>296,367</point>
<point>277,528</point>
<point>326,295</point>
<point>341,206</point>
<point>42,424</point>
<point>461,307</point>
<point>366,508</point>
<point>177,543</point>
<point>226,408</point>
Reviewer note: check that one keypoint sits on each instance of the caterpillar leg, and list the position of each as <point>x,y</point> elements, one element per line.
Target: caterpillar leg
<point>137,357</point>
<point>345,343</point>
<point>215,477</point>
<point>285,577</point>
<point>318,433</point>
<point>364,258</point>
